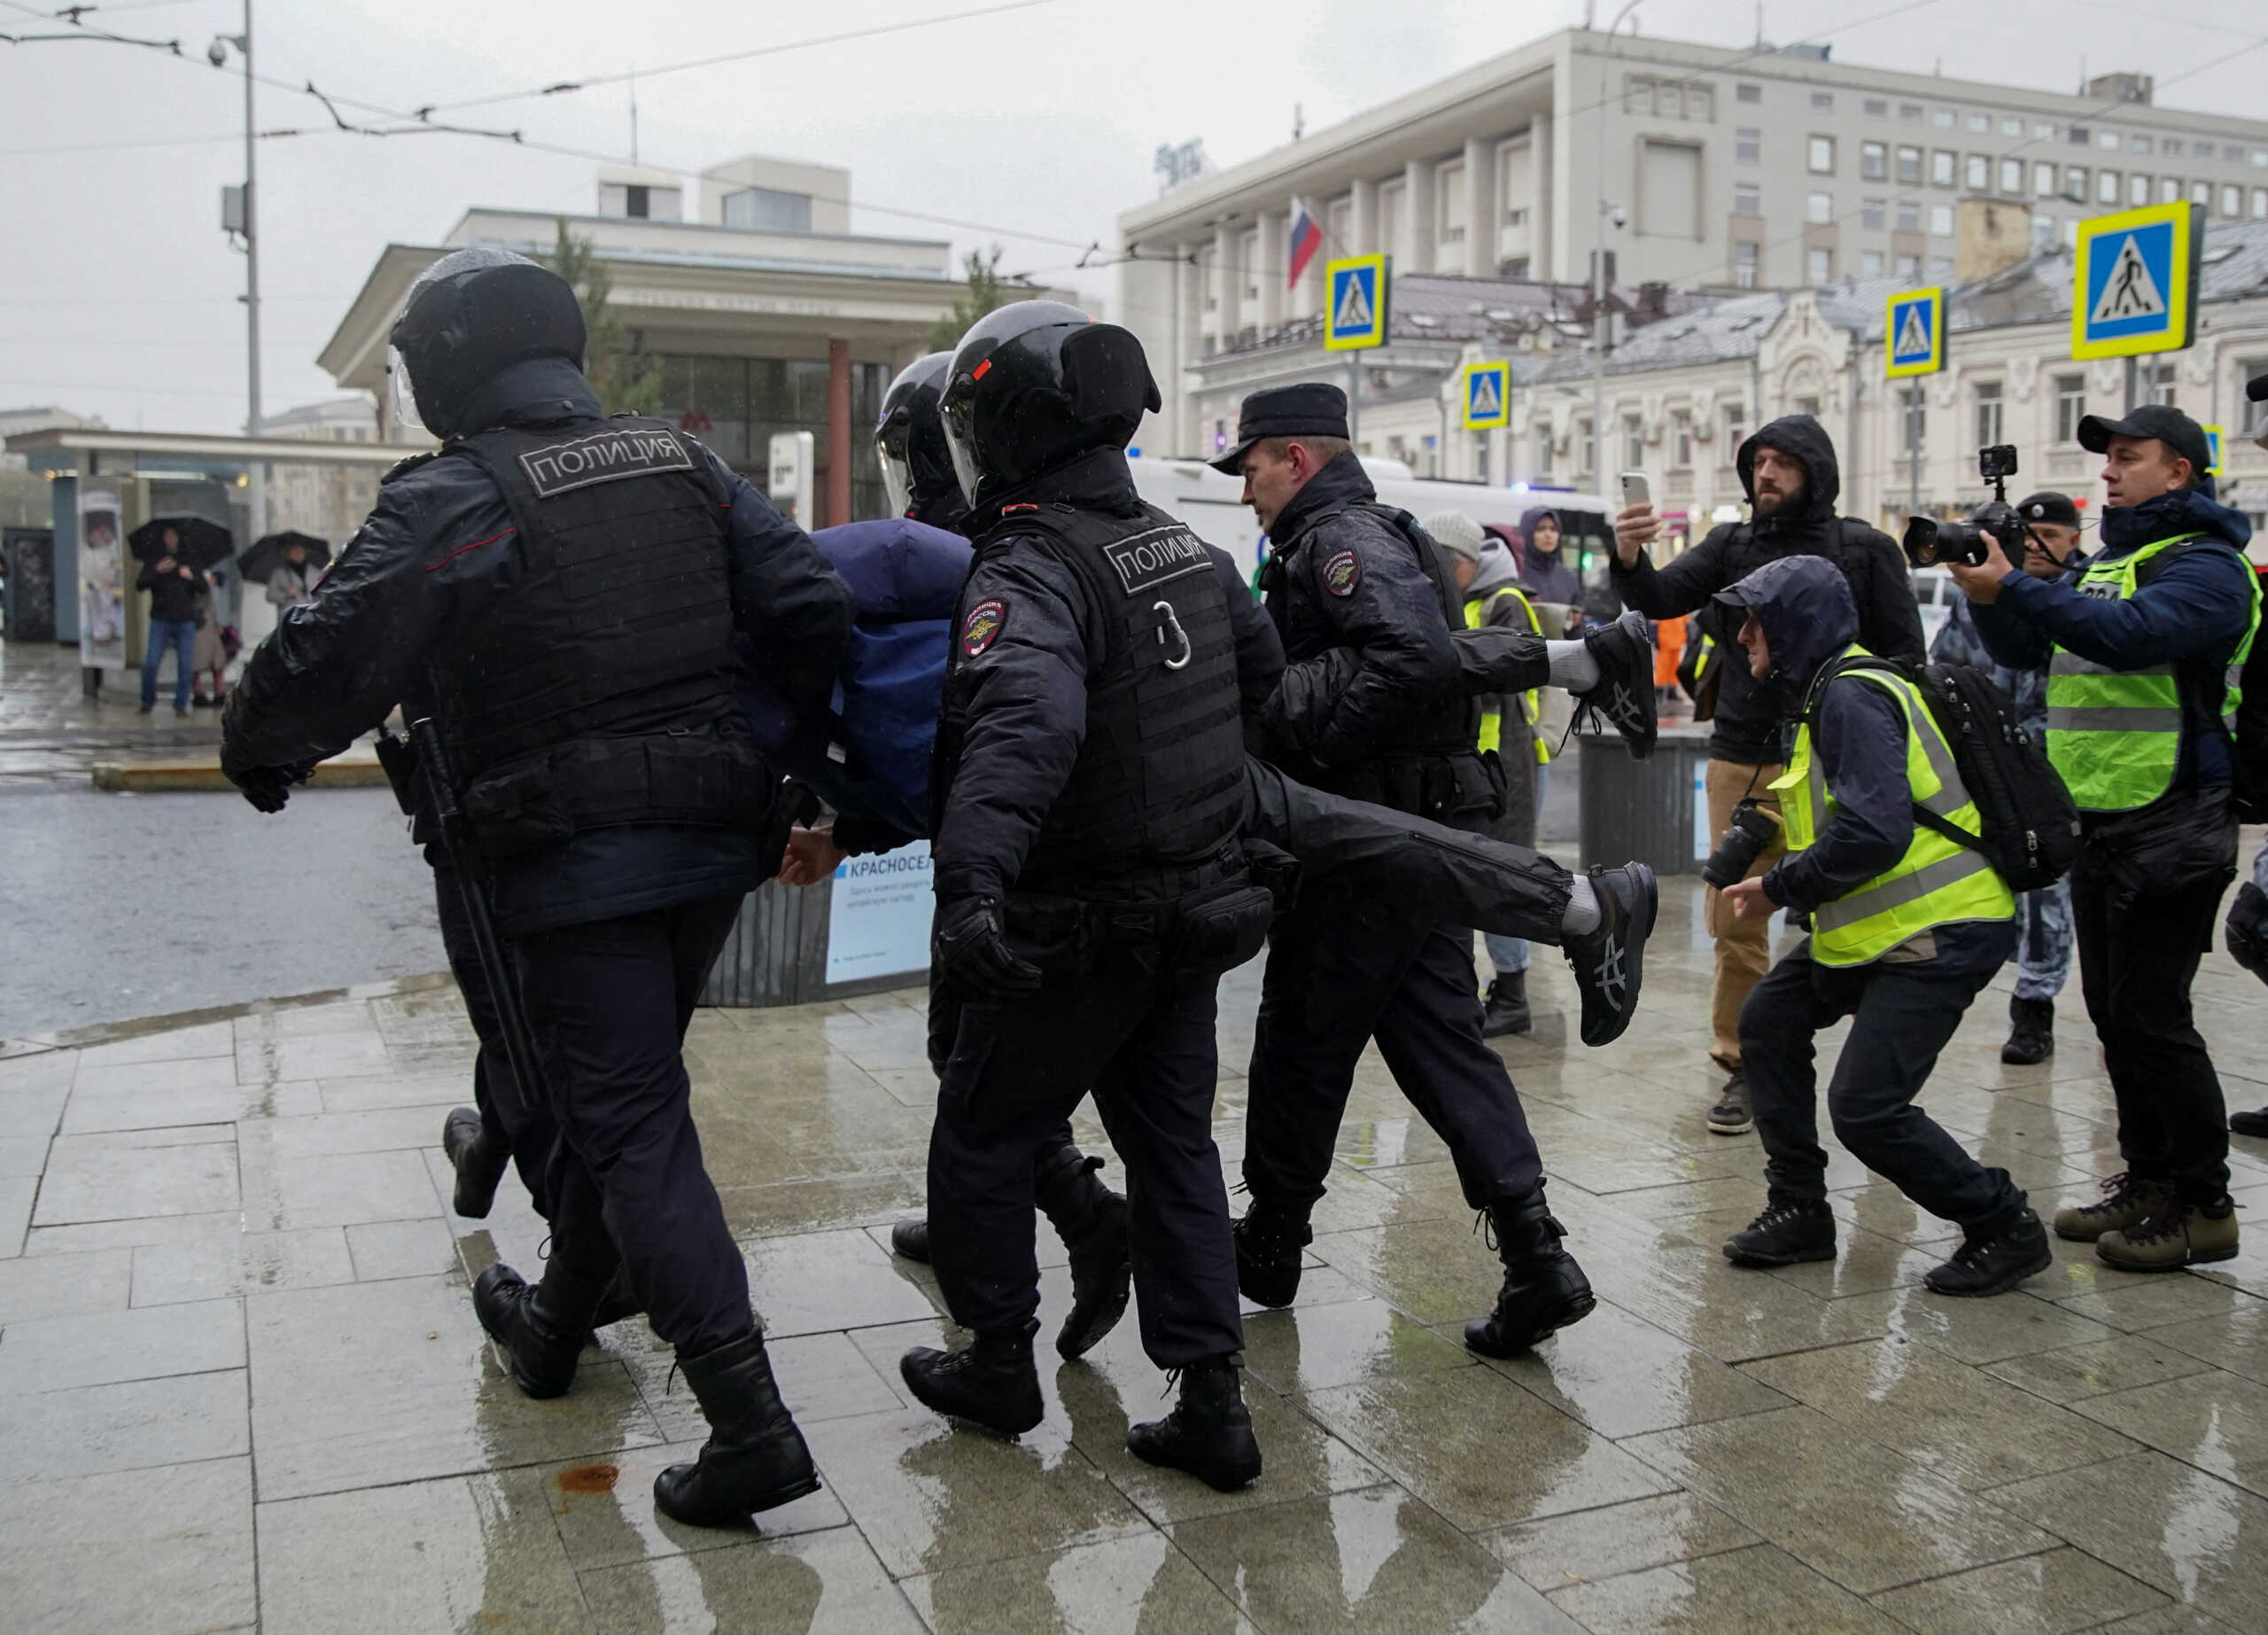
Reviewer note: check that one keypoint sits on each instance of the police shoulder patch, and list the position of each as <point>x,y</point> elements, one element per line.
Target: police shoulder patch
<point>983,625</point>
<point>1342,571</point>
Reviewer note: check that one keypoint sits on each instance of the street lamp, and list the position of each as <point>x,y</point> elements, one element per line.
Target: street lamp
<point>243,221</point>
<point>1600,323</point>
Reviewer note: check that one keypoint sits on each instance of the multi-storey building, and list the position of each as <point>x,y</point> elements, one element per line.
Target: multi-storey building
<point>1695,166</point>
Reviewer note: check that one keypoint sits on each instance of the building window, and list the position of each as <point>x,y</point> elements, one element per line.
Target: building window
<point>1542,453</point>
<point>1909,167</point>
<point>1870,263</point>
<point>2260,204</point>
<point>1748,93</point>
<point>2071,406</point>
<point>1634,442</point>
<point>2043,234</point>
<point>1976,173</point>
<point>1819,208</point>
<point>1822,102</point>
<point>2106,187</point>
<point>1745,259</point>
<point>1822,153</point>
<point>735,405</point>
<point>762,210</point>
<point>1915,419</point>
<point>1874,161</point>
<point>1748,143</point>
<point>1909,215</point>
<point>2232,200</point>
<point>2075,183</point>
<point>2137,188</point>
<point>1910,112</point>
<point>1941,168</point>
<point>2158,381</point>
<point>1819,264</point>
<point>2043,180</point>
<point>2080,136</point>
<point>1748,199</point>
<point>2012,175</point>
<point>1909,265</point>
<point>2169,190</point>
<point>2201,193</point>
<point>2043,130</point>
<point>1873,214</point>
<point>1735,429</point>
<point>2107,140</point>
<point>2173,147</point>
<point>1988,412</point>
<point>1637,94</point>
<point>1808,405</point>
<point>1942,118</point>
<point>1449,202</point>
<point>1680,441</point>
<point>1941,221</point>
<point>1586,448</point>
<point>2137,144</point>
<point>2011,126</point>
<point>1877,109</point>
<point>1980,121</point>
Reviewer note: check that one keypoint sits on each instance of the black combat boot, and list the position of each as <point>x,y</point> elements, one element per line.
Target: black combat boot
<point>1508,1011</point>
<point>542,1326</point>
<point>1209,1434</point>
<point>910,1240</point>
<point>2031,1032</point>
<point>1994,1256</point>
<point>1091,1219</point>
<point>1269,1239</point>
<point>1786,1233</point>
<point>479,1163</point>
<point>2255,1124</point>
<point>755,1458</point>
<point>1545,1289</point>
<point>991,1382</point>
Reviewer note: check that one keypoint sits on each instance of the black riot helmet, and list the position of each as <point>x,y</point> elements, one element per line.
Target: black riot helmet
<point>910,437</point>
<point>1035,385</point>
<point>470,316</point>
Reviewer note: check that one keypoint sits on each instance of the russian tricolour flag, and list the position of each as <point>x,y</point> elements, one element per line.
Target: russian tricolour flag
<point>1307,238</point>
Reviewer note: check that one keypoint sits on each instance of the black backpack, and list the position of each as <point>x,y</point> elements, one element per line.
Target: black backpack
<point>2030,823</point>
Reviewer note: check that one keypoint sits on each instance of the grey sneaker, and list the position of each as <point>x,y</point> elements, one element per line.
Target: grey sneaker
<point>1731,1116</point>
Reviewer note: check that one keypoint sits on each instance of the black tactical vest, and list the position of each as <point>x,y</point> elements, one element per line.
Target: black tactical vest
<point>1159,783</point>
<point>596,689</point>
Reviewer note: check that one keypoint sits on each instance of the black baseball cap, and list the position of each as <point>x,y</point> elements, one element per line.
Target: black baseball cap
<point>2171,427</point>
<point>2048,506</point>
<point>1310,409</point>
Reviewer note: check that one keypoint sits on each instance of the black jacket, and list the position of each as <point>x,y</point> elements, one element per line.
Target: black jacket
<point>1890,623</point>
<point>171,596</point>
<point>1027,713</point>
<point>431,561</point>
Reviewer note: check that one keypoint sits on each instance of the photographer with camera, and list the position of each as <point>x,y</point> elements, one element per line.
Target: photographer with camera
<point>2144,650</point>
<point>2051,550</point>
<point>1789,471</point>
<point>1907,925</point>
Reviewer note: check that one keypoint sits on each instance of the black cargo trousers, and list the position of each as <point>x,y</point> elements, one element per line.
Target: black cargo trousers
<point>522,1124</point>
<point>1136,1028</point>
<point>609,1002</point>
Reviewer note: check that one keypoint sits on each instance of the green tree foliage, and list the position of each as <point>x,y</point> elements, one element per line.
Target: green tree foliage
<point>627,382</point>
<point>986,291</point>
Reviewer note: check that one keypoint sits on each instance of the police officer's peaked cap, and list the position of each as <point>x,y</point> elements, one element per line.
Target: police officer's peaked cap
<point>473,313</point>
<point>2048,506</point>
<point>1312,408</point>
<point>2162,420</point>
<point>1036,383</point>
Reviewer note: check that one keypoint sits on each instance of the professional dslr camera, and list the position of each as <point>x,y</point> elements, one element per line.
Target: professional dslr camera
<point>1929,544</point>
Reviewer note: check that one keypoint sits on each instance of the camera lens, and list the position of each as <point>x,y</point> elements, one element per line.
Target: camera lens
<point>1752,829</point>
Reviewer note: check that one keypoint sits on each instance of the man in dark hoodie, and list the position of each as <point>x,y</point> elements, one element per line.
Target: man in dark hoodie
<point>1907,925</point>
<point>2144,651</point>
<point>1789,471</point>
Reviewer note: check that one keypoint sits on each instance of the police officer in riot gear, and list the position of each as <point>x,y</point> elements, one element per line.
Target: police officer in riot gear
<point>561,593</point>
<point>1090,889</point>
<point>1358,581</point>
<point>910,442</point>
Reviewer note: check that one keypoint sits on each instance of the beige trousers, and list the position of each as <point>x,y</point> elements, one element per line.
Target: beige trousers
<point>1744,946</point>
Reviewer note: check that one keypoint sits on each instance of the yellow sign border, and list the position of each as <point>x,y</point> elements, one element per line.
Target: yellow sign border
<point>1380,311</point>
<point>1504,415</point>
<point>1936,362</point>
<point>2181,281</point>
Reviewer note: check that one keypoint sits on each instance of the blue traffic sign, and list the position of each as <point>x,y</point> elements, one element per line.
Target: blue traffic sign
<point>2134,283</point>
<point>1913,333</point>
<point>1359,287</point>
<point>1487,395</point>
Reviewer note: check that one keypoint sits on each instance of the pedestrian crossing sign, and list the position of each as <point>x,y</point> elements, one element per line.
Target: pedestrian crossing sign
<point>1359,287</point>
<point>1487,395</point>
<point>1913,333</point>
<point>2212,449</point>
<point>2134,283</point>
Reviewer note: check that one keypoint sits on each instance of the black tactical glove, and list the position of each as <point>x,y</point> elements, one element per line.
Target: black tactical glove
<point>2246,930</point>
<point>971,945</point>
<point>266,788</point>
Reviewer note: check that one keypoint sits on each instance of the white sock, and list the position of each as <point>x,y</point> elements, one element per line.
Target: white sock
<point>1573,666</point>
<point>1582,916</point>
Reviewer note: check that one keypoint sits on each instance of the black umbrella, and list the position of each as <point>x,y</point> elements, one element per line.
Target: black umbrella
<point>267,555</point>
<point>203,543</point>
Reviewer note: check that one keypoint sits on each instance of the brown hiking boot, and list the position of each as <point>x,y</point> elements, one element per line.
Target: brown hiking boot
<point>2127,1200</point>
<point>2178,1235</point>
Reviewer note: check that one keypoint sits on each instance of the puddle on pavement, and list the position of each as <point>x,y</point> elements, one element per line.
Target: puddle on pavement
<point>589,1479</point>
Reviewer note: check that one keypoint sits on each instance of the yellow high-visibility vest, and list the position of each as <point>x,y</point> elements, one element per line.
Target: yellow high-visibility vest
<point>1492,725</point>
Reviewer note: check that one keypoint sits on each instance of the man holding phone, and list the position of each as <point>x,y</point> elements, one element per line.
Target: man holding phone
<point>1790,473</point>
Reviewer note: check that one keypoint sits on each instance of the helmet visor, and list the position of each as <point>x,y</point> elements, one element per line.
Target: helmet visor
<point>897,469</point>
<point>401,400</point>
<point>966,471</point>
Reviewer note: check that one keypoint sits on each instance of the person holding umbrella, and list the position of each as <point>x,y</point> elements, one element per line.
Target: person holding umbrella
<point>173,587</point>
<point>288,564</point>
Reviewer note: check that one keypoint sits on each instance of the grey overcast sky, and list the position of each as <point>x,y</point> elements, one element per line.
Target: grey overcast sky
<point>118,291</point>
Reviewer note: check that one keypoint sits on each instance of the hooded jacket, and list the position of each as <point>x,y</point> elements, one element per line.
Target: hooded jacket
<point>1546,574</point>
<point>1890,622</point>
<point>1858,737</point>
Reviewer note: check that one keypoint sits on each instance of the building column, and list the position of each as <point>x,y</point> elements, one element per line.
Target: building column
<point>1189,294</point>
<point>1544,160</point>
<point>1421,223</point>
<point>1483,205</point>
<point>1228,281</point>
<point>1275,227</point>
<point>1363,222</point>
<point>838,432</point>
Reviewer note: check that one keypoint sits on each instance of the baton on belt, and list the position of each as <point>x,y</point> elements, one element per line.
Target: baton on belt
<point>471,870</point>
